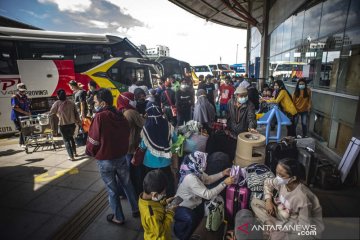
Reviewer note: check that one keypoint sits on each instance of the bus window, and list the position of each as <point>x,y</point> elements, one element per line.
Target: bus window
<point>223,66</point>
<point>88,56</point>
<point>8,58</point>
<point>45,50</point>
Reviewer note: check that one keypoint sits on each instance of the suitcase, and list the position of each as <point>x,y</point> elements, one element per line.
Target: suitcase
<point>308,159</point>
<point>305,143</point>
<point>201,233</point>
<point>276,151</point>
<point>237,198</point>
<point>327,176</point>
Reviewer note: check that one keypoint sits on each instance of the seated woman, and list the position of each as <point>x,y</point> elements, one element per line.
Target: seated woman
<point>204,111</point>
<point>192,190</point>
<point>294,204</point>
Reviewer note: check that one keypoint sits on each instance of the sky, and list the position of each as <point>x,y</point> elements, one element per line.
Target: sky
<point>149,22</point>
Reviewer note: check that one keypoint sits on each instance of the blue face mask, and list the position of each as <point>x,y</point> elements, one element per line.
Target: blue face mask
<point>242,100</point>
<point>302,87</point>
<point>97,108</point>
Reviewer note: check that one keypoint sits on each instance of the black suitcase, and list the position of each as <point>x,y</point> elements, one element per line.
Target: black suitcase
<point>276,151</point>
<point>327,176</point>
<point>308,159</point>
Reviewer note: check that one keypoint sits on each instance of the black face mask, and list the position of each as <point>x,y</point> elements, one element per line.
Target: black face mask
<point>140,101</point>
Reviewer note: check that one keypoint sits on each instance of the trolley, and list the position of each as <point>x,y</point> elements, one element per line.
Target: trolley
<point>36,132</point>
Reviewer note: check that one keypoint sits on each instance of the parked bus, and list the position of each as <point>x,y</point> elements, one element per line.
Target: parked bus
<point>239,68</point>
<point>286,70</point>
<point>219,69</point>
<point>202,70</point>
<point>46,61</point>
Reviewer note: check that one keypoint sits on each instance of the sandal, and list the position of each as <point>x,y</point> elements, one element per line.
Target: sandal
<point>110,218</point>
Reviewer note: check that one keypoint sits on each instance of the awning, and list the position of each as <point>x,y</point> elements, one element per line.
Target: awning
<point>231,13</point>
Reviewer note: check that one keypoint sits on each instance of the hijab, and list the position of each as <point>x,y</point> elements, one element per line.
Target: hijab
<point>157,132</point>
<point>126,101</point>
<point>204,111</point>
<point>194,163</point>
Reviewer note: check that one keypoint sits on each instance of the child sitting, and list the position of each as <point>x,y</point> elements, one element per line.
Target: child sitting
<point>155,218</point>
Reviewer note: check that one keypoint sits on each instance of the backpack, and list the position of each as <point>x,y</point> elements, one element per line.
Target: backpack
<point>215,214</point>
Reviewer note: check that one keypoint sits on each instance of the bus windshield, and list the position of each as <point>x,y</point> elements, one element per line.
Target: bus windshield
<point>223,66</point>
<point>201,69</point>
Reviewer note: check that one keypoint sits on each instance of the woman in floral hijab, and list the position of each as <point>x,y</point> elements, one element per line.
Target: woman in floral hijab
<point>192,190</point>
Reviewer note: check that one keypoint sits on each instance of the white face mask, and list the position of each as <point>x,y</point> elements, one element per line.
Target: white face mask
<point>158,198</point>
<point>132,103</point>
<point>282,181</point>
<point>242,100</point>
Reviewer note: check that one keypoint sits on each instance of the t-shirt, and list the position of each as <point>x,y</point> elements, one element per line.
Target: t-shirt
<point>226,92</point>
<point>19,101</point>
<point>80,96</point>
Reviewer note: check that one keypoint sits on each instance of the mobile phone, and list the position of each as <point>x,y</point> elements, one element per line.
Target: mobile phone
<point>175,202</point>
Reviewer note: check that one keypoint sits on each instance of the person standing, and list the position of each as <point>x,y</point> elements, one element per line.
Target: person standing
<point>20,104</point>
<point>209,87</point>
<point>79,98</point>
<point>90,97</point>
<point>184,102</point>
<point>127,105</point>
<point>167,102</point>
<point>302,101</point>
<point>157,136</point>
<point>68,116</point>
<point>108,143</point>
<point>226,93</point>
<point>140,98</point>
<point>242,116</point>
<point>204,112</point>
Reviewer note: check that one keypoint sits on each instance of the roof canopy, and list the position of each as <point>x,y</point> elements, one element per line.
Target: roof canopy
<point>231,13</point>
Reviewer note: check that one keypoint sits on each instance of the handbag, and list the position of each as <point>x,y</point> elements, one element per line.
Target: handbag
<point>197,142</point>
<point>172,107</point>
<point>138,157</point>
<point>215,214</point>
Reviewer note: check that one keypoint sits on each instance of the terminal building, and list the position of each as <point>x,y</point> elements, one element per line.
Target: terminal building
<point>318,40</point>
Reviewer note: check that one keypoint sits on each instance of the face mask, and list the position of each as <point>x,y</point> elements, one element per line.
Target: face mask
<point>183,86</point>
<point>276,87</point>
<point>282,181</point>
<point>97,108</point>
<point>242,100</point>
<point>132,103</point>
<point>158,198</point>
<point>302,87</point>
<point>141,101</point>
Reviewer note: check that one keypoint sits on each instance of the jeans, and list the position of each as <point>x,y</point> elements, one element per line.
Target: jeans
<point>186,221</point>
<point>115,173</point>
<point>223,108</point>
<point>304,119</point>
<point>67,132</point>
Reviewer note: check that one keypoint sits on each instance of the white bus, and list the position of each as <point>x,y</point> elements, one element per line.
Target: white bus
<point>46,61</point>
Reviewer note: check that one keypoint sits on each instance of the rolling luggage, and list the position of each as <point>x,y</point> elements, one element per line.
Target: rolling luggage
<point>307,142</point>
<point>309,161</point>
<point>327,176</point>
<point>276,151</point>
<point>237,198</point>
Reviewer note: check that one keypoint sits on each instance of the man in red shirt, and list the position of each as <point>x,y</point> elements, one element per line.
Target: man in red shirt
<point>108,142</point>
<point>226,92</point>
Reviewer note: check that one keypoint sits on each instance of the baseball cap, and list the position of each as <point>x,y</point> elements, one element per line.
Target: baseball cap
<point>21,87</point>
<point>73,83</point>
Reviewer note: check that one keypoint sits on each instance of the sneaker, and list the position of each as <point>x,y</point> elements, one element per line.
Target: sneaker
<point>298,136</point>
<point>22,146</point>
<point>71,158</point>
<point>76,155</point>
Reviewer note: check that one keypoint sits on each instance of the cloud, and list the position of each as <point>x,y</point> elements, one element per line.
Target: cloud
<point>98,16</point>
<point>33,14</point>
<point>71,6</point>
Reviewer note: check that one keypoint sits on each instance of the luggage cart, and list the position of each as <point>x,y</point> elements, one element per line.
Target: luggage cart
<point>37,133</point>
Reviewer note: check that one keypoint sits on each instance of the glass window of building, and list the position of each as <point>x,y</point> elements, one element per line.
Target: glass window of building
<point>279,38</point>
<point>312,23</point>
<point>354,14</point>
<point>349,73</point>
<point>287,34</point>
<point>333,16</point>
<point>297,29</point>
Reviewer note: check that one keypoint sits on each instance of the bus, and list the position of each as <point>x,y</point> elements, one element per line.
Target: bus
<point>239,68</point>
<point>220,69</point>
<point>46,61</point>
<point>202,70</point>
<point>284,70</point>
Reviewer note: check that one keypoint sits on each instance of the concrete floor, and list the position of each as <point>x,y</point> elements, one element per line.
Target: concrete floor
<point>42,191</point>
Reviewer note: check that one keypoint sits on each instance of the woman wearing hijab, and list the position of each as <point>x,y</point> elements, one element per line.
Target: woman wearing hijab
<point>127,105</point>
<point>140,98</point>
<point>192,190</point>
<point>204,111</point>
<point>157,136</point>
